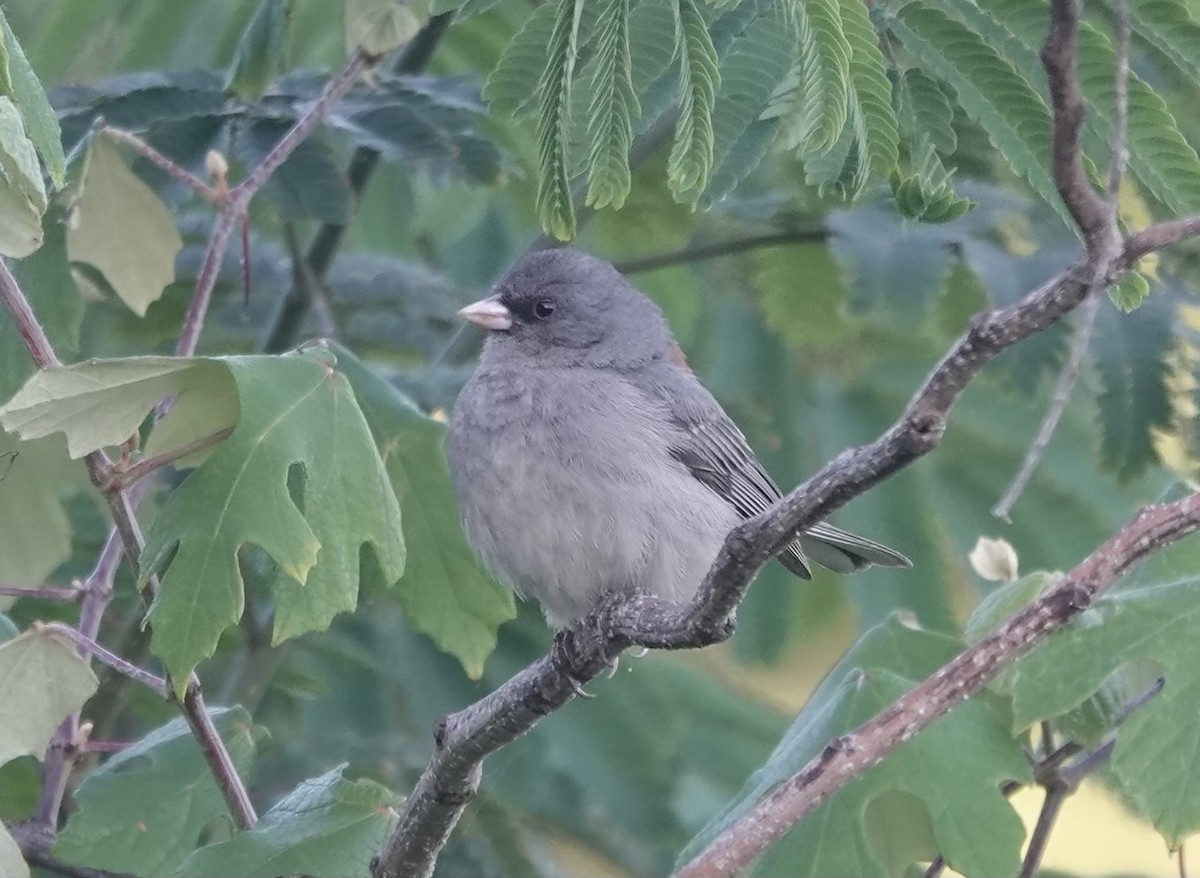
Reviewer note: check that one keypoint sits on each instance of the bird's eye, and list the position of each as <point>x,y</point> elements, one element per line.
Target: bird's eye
<point>543,309</point>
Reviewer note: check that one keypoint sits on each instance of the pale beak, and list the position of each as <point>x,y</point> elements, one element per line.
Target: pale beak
<point>488,313</point>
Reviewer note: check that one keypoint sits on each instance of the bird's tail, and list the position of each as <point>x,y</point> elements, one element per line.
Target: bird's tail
<point>839,550</point>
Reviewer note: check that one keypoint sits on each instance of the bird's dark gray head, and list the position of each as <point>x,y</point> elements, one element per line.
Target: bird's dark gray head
<point>566,308</point>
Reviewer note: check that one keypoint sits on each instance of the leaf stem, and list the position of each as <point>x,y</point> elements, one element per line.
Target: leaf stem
<point>42,592</point>
<point>121,479</point>
<point>90,647</point>
<point>174,169</point>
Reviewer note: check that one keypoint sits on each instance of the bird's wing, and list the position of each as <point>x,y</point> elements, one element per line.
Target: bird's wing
<point>712,447</point>
<point>714,450</point>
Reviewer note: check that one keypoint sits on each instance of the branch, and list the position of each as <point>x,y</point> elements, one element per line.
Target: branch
<point>43,592</point>
<point>239,196</point>
<point>852,754</point>
<point>722,248</point>
<point>120,479</point>
<point>172,168</point>
<point>286,323</point>
<point>1067,379</point>
<point>1089,210</point>
<point>90,647</point>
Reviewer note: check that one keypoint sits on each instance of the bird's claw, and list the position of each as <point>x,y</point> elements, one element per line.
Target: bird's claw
<point>578,687</point>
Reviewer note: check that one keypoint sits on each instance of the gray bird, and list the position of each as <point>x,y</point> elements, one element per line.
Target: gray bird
<point>587,458</point>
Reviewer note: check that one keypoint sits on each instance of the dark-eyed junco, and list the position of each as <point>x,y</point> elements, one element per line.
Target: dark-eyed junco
<point>587,458</point>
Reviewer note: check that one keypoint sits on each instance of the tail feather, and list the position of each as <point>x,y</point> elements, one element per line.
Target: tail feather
<point>839,550</point>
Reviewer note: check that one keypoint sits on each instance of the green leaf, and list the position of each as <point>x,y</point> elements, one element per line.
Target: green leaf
<point>100,403</point>
<point>511,86</point>
<point>310,185</point>
<point>756,61</point>
<point>327,827</point>
<point>554,204</point>
<point>22,195</point>
<point>807,314</point>
<point>41,123</point>
<point>122,228</point>
<point>443,592</point>
<point>991,91</point>
<point>941,789</point>
<point>45,278</point>
<point>813,100</point>
<point>1130,291</point>
<point>35,534</point>
<point>1130,353</point>
<point>294,410</point>
<point>378,26</point>
<point>1155,760</point>
<point>1004,601</point>
<point>7,629</point>
<point>925,109</point>
<point>691,160</point>
<point>42,679</point>
<point>875,121</point>
<point>1169,26</point>
<point>613,108</point>
<point>145,809</point>
<point>261,55</point>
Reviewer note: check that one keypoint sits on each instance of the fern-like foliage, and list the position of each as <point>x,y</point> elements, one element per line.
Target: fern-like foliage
<point>1001,100</point>
<point>554,185</point>
<point>691,160</point>
<point>510,87</point>
<point>813,101</point>
<point>1170,27</point>
<point>613,108</point>
<point>871,92</point>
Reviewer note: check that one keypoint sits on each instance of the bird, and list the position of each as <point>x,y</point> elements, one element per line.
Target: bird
<point>588,459</point>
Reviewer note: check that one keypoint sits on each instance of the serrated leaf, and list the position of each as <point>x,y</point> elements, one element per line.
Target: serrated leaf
<point>1155,757</point>
<point>42,679</point>
<point>954,768</point>
<point>443,592</point>
<point>1129,293</point>
<point>428,122</point>
<point>144,810</point>
<point>756,61</point>
<point>1130,355</point>
<point>328,827</point>
<point>12,863</point>
<point>294,410</point>
<point>35,533</point>
<point>41,123</point>
<point>875,120</point>
<point>925,109</point>
<point>261,54</point>
<point>814,101</point>
<point>691,160</point>
<point>991,91</point>
<point>310,185</point>
<point>122,228</point>
<point>511,86</point>
<point>802,294</point>
<point>554,206</point>
<point>100,403</point>
<point>22,195</point>
<point>1170,27</point>
<point>613,107</point>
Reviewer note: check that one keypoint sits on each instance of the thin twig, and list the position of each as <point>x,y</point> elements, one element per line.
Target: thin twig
<point>1067,378</point>
<point>172,168</point>
<point>241,195</point>
<point>1118,154</point>
<point>32,334</point>
<point>121,479</point>
<point>114,661</point>
<point>698,252</point>
<point>42,592</point>
<point>1051,807</point>
<point>285,324</point>
<point>1181,859</point>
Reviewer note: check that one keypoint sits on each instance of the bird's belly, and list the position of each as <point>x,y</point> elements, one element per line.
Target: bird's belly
<point>612,515</point>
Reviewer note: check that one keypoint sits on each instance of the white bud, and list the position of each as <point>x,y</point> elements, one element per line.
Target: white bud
<point>994,560</point>
<point>216,165</point>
